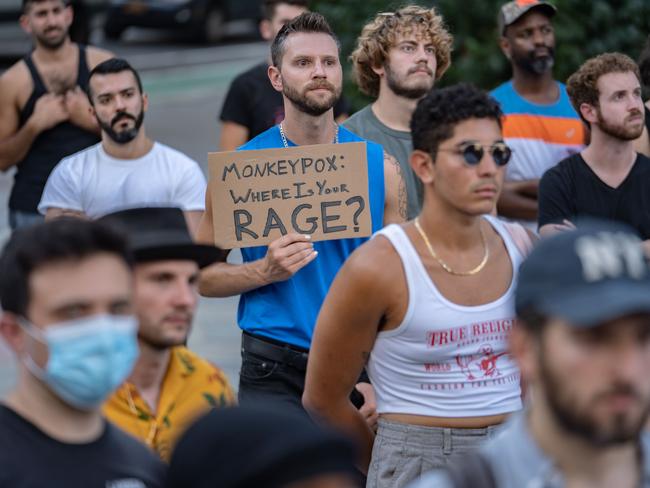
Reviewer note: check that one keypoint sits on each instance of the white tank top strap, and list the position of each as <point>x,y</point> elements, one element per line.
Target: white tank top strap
<point>413,269</point>
<point>404,247</point>
<point>517,254</point>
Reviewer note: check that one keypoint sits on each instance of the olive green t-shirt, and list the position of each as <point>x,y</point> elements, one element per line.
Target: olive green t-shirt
<point>398,144</point>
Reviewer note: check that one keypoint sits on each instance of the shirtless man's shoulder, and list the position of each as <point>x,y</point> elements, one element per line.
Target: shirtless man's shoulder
<point>95,55</point>
<point>16,80</point>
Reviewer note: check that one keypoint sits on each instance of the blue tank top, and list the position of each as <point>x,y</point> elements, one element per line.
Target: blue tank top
<point>286,311</point>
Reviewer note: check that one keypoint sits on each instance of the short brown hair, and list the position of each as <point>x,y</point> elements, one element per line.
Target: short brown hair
<point>270,6</point>
<point>582,86</point>
<point>380,34</point>
<point>27,4</point>
<point>308,22</point>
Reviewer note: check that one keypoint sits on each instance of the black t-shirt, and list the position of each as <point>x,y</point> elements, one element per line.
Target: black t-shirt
<point>253,102</point>
<point>571,189</point>
<point>31,459</point>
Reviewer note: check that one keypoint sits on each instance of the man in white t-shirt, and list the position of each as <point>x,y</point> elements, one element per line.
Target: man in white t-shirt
<point>126,169</point>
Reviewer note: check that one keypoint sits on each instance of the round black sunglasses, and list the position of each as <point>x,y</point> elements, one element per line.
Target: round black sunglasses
<point>473,152</point>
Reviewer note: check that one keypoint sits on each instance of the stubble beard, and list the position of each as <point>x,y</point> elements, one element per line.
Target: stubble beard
<point>579,422</point>
<point>619,131</point>
<point>309,105</point>
<point>399,88</point>
<point>52,45</point>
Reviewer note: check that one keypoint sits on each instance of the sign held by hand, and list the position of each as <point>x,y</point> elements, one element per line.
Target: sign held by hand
<point>259,196</point>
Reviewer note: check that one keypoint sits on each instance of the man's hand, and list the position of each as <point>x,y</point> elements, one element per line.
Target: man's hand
<point>369,408</point>
<point>564,226</point>
<point>286,256</point>
<point>77,105</point>
<point>55,213</point>
<point>49,110</point>
<point>551,229</point>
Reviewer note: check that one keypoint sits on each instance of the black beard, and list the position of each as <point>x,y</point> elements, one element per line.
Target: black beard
<point>579,423</point>
<point>305,105</point>
<point>536,65</point>
<point>412,93</point>
<point>124,136</point>
<point>52,45</point>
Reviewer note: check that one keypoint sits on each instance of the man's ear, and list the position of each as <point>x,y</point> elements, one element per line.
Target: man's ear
<point>504,44</point>
<point>524,347</point>
<point>422,164</point>
<point>266,31</point>
<point>69,15</point>
<point>145,102</point>
<point>276,78</point>
<point>24,24</point>
<point>12,334</point>
<point>589,112</point>
<point>379,70</point>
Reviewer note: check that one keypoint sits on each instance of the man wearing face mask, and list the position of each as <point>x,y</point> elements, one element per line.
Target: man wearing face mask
<point>126,169</point>
<point>75,339</point>
<point>540,124</point>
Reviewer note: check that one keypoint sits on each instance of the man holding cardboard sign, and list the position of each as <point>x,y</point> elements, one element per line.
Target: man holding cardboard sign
<point>283,285</point>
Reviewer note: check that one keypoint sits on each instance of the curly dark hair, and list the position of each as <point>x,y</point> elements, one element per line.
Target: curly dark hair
<point>438,113</point>
<point>64,239</point>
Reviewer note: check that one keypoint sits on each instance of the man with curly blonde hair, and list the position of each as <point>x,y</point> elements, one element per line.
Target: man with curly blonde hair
<point>399,56</point>
<point>608,179</point>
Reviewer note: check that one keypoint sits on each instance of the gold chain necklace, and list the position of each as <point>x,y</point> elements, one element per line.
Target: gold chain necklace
<point>444,265</point>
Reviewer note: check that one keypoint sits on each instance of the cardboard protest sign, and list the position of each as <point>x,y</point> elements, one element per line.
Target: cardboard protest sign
<point>259,196</point>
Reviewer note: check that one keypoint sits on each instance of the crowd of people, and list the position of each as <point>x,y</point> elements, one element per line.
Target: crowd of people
<point>494,330</point>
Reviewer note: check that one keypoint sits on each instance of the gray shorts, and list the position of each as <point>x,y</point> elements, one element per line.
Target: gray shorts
<point>403,452</point>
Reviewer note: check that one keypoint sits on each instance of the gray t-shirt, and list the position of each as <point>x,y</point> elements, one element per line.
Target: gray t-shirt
<point>398,144</point>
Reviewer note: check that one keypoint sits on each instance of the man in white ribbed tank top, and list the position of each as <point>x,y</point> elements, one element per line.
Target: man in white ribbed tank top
<point>427,306</point>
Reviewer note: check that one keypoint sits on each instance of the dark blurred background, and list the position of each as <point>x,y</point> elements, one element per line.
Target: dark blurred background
<point>583,28</point>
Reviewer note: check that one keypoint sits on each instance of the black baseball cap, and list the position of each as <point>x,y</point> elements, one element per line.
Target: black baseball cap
<point>511,12</point>
<point>253,446</point>
<point>588,276</point>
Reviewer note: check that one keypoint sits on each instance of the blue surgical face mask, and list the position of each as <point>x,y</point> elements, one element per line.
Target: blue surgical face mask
<point>88,357</point>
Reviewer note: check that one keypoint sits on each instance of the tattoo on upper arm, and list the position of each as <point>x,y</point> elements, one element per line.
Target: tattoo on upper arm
<point>402,200</point>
